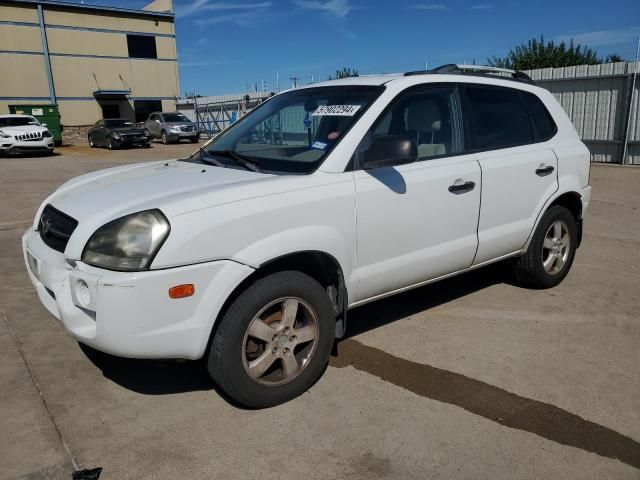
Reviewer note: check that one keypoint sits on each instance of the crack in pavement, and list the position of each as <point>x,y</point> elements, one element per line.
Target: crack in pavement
<point>34,380</point>
<point>489,401</point>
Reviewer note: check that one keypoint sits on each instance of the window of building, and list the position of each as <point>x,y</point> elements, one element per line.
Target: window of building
<point>499,118</point>
<point>143,108</point>
<point>142,46</point>
<point>542,120</point>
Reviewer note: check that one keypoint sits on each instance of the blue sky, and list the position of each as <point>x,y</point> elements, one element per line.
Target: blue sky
<point>225,45</point>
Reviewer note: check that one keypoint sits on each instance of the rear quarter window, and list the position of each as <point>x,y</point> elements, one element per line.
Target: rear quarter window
<point>542,120</point>
<point>499,118</point>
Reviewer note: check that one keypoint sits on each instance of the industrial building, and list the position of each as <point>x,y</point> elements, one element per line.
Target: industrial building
<point>91,61</point>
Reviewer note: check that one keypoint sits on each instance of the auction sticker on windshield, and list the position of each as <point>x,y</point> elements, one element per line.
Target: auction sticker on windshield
<point>336,110</point>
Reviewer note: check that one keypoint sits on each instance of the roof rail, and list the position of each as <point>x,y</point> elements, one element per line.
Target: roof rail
<point>478,70</point>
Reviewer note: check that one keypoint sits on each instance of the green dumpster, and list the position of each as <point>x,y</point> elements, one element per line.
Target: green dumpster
<point>44,114</point>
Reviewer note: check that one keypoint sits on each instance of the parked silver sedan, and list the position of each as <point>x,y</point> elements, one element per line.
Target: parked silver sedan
<point>171,127</point>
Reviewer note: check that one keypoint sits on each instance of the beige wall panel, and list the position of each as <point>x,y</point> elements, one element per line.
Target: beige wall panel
<point>154,79</point>
<point>87,43</point>
<point>111,22</point>
<point>18,37</point>
<point>23,76</point>
<point>80,77</point>
<point>166,47</point>
<point>168,105</point>
<point>79,112</point>
<point>19,14</point>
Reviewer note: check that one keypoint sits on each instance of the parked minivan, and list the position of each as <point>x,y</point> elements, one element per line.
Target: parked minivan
<point>251,251</point>
<point>171,127</point>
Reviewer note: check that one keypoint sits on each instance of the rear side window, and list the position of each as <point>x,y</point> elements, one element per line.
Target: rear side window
<point>542,120</point>
<point>499,118</point>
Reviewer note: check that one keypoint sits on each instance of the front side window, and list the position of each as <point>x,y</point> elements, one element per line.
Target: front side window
<point>293,131</point>
<point>428,116</point>
<point>499,118</point>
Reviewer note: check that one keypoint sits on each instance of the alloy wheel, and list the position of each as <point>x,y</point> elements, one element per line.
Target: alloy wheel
<point>280,341</point>
<point>556,247</point>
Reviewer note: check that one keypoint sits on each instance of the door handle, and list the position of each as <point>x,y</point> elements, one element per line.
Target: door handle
<point>461,188</point>
<point>543,171</point>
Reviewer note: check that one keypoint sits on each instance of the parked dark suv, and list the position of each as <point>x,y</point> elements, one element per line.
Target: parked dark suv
<point>171,127</point>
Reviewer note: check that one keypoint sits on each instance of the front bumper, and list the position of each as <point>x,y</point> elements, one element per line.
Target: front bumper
<point>130,314</point>
<point>25,147</point>
<point>132,141</point>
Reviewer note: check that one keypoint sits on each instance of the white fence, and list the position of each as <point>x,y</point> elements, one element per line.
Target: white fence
<point>601,105</point>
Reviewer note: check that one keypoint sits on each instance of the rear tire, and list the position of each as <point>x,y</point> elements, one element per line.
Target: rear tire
<point>274,341</point>
<point>551,251</point>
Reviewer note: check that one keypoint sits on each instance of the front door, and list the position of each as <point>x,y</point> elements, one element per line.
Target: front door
<point>417,221</point>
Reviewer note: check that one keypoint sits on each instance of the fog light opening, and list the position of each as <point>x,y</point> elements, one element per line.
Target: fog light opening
<point>83,293</point>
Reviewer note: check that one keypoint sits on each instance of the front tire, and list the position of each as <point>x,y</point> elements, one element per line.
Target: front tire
<point>92,144</point>
<point>551,251</point>
<point>165,138</point>
<point>110,143</point>
<point>274,341</point>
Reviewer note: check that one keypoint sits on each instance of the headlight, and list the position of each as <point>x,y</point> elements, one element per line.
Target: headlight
<point>174,129</point>
<point>46,134</point>
<point>4,135</point>
<point>129,243</point>
<point>115,135</point>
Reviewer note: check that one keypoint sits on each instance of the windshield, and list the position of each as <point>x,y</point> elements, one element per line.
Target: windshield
<point>117,123</point>
<point>294,131</point>
<point>175,117</point>
<point>17,121</point>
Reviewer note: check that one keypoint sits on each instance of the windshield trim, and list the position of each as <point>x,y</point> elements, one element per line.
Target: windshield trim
<point>376,91</point>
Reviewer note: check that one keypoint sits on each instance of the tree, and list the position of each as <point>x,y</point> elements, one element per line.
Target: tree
<point>540,54</point>
<point>345,72</point>
<point>612,58</point>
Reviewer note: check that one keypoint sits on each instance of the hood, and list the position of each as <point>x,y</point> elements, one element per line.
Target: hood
<point>179,124</point>
<point>23,129</point>
<point>174,187</point>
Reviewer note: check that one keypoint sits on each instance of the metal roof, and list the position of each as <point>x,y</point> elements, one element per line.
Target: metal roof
<point>84,6</point>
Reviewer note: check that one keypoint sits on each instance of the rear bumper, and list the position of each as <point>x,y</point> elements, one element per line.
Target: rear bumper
<point>131,314</point>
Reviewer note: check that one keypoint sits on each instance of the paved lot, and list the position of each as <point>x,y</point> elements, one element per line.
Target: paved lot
<point>470,378</point>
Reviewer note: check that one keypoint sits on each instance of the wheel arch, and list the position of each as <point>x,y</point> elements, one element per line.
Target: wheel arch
<point>319,265</point>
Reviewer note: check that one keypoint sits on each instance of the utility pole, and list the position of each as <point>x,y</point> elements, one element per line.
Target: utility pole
<point>625,147</point>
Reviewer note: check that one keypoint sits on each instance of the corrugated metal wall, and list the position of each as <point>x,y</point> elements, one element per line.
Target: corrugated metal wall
<point>597,98</point>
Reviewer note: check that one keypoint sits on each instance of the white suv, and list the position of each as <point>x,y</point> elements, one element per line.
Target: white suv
<point>24,134</point>
<point>251,251</point>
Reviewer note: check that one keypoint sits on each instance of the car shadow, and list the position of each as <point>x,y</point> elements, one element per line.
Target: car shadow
<point>152,377</point>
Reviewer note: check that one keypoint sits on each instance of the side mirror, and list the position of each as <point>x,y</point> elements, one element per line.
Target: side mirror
<point>43,124</point>
<point>390,150</point>
<point>157,121</point>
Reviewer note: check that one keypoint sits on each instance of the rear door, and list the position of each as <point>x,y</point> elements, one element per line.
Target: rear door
<point>418,221</point>
<point>519,169</point>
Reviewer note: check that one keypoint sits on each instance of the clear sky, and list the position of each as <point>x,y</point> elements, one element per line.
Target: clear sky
<point>223,46</point>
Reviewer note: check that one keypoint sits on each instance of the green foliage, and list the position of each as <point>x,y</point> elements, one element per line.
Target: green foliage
<point>345,72</point>
<point>612,58</point>
<point>540,54</point>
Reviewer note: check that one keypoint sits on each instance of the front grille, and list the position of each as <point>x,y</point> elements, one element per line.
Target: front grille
<point>187,128</point>
<point>29,136</point>
<point>56,228</point>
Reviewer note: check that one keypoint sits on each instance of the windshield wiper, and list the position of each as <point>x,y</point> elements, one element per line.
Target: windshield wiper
<point>241,160</point>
